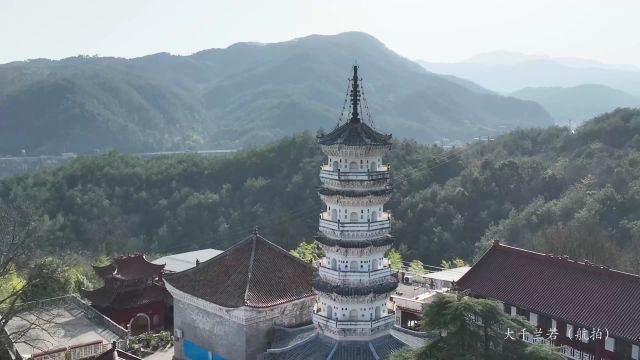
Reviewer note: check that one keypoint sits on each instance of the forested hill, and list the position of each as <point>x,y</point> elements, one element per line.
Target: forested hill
<point>546,189</point>
<point>245,94</point>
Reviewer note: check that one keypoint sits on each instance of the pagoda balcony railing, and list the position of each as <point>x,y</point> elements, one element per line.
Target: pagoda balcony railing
<point>355,277</point>
<point>326,173</point>
<point>355,226</point>
<point>354,230</point>
<point>354,324</point>
<point>383,216</point>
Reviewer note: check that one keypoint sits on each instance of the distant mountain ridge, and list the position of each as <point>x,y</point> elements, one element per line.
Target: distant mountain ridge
<point>512,57</point>
<point>579,103</point>
<point>245,94</point>
<point>506,72</point>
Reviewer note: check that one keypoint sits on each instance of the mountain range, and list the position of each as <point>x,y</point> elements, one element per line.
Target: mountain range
<point>506,72</point>
<point>248,93</point>
<point>578,103</point>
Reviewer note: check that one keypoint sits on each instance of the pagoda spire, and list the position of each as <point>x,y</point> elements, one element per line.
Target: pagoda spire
<point>355,96</point>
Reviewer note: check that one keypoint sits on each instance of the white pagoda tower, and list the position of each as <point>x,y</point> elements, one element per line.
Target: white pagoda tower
<point>354,280</point>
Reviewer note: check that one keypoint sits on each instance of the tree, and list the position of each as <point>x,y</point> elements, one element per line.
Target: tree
<point>471,329</point>
<point>542,352</point>
<point>19,236</point>
<point>48,278</point>
<point>455,263</point>
<point>395,259</point>
<point>416,267</point>
<point>308,251</point>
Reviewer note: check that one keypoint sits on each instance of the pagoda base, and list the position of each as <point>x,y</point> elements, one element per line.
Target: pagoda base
<point>354,330</point>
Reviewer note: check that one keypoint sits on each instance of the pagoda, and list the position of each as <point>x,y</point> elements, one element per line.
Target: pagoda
<point>354,280</point>
<point>133,295</point>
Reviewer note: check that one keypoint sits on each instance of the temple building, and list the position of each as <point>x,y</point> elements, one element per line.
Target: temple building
<point>354,281</point>
<point>593,310</point>
<point>227,307</point>
<point>133,295</point>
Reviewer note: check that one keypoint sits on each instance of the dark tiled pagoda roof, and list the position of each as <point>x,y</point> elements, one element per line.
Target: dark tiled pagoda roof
<point>119,299</point>
<point>354,244</point>
<point>382,288</point>
<point>579,293</point>
<point>285,337</point>
<point>318,346</point>
<point>355,132</point>
<point>254,273</point>
<point>116,354</point>
<point>133,267</point>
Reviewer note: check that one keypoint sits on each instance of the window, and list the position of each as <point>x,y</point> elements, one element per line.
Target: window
<point>569,332</point>
<point>533,319</point>
<point>635,352</point>
<point>623,348</point>
<point>544,322</point>
<point>610,344</point>
<point>524,313</point>
<point>514,311</point>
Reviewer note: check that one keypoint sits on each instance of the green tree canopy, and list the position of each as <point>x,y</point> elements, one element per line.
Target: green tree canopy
<point>308,251</point>
<point>47,278</point>
<point>395,259</point>
<point>471,329</point>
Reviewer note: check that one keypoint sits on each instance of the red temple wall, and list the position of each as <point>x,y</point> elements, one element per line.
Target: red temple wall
<point>155,312</point>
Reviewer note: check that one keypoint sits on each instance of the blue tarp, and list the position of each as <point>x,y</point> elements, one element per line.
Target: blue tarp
<point>195,352</point>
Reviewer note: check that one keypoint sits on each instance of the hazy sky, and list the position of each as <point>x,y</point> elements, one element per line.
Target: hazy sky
<point>435,30</point>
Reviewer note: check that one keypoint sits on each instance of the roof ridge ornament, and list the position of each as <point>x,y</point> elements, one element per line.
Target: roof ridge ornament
<point>355,96</point>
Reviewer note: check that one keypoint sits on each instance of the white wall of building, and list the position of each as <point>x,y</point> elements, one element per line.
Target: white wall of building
<point>374,212</point>
<point>342,312</point>
<point>342,263</point>
<point>355,164</point>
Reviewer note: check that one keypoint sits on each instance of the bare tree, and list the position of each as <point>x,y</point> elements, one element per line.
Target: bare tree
<point>18,240</point>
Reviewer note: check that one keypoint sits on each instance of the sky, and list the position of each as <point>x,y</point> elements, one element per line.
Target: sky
<point>433,30</point>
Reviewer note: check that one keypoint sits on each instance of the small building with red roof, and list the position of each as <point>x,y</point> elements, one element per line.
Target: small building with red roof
<point>565,295</point>
<point>133,295</point>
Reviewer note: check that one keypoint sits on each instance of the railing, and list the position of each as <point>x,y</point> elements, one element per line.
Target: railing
<point>329,174</point>
<point>354,276</point>
<point>353,324</point>
<point>408,304</point>
<point>75,352</point>
<point>354,226</point>
<point>383,216</point>
<point>574,354</point>
<point>565,350</point>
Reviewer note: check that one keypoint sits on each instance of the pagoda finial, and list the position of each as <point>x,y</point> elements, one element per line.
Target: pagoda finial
<point>255,230</point>
<point>355,96</point>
